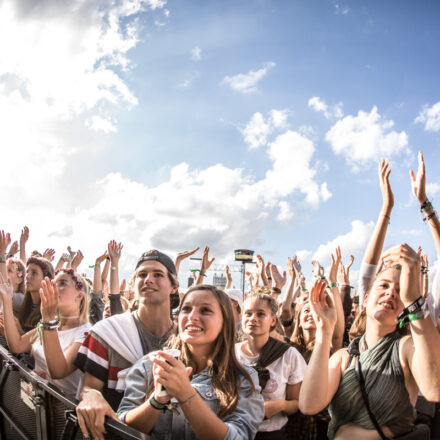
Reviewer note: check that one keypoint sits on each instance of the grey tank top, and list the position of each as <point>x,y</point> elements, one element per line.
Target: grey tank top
<point>385,385</point>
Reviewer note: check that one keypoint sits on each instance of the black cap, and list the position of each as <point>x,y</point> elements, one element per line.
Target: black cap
<point>160,257</point>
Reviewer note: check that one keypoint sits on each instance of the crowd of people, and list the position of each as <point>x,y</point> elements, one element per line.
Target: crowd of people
<point>291,359</point>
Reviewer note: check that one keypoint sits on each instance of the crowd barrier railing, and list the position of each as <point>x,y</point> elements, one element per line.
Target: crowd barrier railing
<point>33,409</point>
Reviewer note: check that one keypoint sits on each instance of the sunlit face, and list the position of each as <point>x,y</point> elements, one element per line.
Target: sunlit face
<point>257,317</point>
<point>152,285</point>
<point>383,301</point>
<point>200,318</point>
<point>34,277</point>
<point>15,276</point>
<point>68,294</point>
<point>306,319</point>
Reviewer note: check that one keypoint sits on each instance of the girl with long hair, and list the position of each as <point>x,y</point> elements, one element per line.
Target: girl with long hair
<point>209,395</point>
<point>55,341</point>
<point>280,367</point>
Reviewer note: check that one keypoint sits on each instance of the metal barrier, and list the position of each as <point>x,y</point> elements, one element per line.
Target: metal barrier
<point>33,409</point>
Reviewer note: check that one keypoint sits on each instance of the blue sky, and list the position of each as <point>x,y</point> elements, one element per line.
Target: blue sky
<point>254,124</point>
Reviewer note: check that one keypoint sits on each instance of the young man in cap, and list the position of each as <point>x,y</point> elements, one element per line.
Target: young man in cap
<point>116,343</point>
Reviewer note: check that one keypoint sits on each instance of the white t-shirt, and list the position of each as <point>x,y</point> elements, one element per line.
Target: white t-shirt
<point>69,384</point>
<point>288,369</point>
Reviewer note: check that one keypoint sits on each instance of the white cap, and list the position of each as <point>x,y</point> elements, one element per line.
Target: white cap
<point>236,295</point>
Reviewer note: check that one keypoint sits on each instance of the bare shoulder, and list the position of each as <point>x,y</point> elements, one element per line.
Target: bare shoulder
<point>339,359</point>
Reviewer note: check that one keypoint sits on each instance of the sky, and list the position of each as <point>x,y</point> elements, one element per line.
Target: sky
<point>255,124</point>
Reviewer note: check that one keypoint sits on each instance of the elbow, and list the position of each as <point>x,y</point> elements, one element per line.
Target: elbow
<point>309,407</point>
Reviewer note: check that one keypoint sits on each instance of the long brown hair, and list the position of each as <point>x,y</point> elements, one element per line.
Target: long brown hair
<point>297,338</point>
<point>223,365</point>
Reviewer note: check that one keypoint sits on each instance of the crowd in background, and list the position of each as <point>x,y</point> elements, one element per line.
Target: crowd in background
<point>290,359</point>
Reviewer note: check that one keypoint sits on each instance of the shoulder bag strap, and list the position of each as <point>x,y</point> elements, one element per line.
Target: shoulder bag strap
<point>365,397</point>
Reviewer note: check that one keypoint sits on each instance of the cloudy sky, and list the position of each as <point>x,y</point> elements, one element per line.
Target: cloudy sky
<point>238,124</point>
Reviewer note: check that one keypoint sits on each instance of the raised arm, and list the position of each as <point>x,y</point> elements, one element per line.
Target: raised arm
<point>17,343</point>
<point>24,237</point>
<point>114,251</point>
<point>375,244</point>
<point>77,260</point>
<point>5,239</point>
<point>59,362</point>
<point>286,305</point>
<point>322,377</point>
<point>344,286</point>
<point>338,333</point>
<point>228,277</point>
<point>418,184</point>
<point>205,265</point>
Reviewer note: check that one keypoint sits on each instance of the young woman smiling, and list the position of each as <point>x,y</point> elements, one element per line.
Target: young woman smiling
<point>280,367</point>
<point>55,342</point>
<point>215,397</point>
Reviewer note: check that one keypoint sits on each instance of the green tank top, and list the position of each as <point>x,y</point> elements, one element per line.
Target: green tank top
<point>385,385</point>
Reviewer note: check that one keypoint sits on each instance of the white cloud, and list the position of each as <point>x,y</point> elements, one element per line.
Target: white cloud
<point>259,128</point>
<point>98,123</point>
<point>303,255</point>
<point>319,105</point>
<point>196,54</point>
<point>247,82</point>
<point>365,138</point>
<point>352,243</point>
<point>430,116</point>
<point>285,214</point>
<point>432,189</point>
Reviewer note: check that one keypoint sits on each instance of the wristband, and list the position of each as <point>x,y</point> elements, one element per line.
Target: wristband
<point>331,285</point>
<point>426,206</point>
<point>411,317</point>
<point>114,267</point>
<point>2,260</point>
<point>276,290</point>
<point>188,399</point>
<point>157,405</point>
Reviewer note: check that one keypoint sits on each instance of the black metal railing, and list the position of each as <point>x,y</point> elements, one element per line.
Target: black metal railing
<point>33,409</point>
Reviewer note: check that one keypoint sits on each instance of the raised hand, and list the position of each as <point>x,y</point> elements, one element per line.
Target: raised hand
<point>6,290</point>
<point>290,268</point>
<point>418,183</point>
<point>5,240</point>
<point>101,258</point>
<point>336,261</point>
<point>206,262</point>
<point>183,255</point>
<point>409,260</point>
<point>385,187</point>
<point>49,254</point>
<point>250,280</point>
<point>24,236</point>
<point>296,265</point>
<point>13,249</point>
<point>322,307</point>
<point>318,270</point>
<point>114,252</point>
<point>278,280</point>
<point>49,299</point>
<point>77,260</point>
<point>228,277</point>
<point>261,270</point>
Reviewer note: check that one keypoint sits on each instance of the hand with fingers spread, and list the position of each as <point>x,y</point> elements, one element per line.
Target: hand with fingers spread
<point>114,252</point>
<point>24,236</point>
<point>101,258</point>
<point>409,260</point>
<point>49,299</point>
<point>322,307</point>
<point>49,254</point>
<point>278,280</point>
<point>296,265</point>
<point>206,262</point>
<point>77,260</point>
<point>183,255</point>
<point>418,183</point>
<point>291,268</point>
